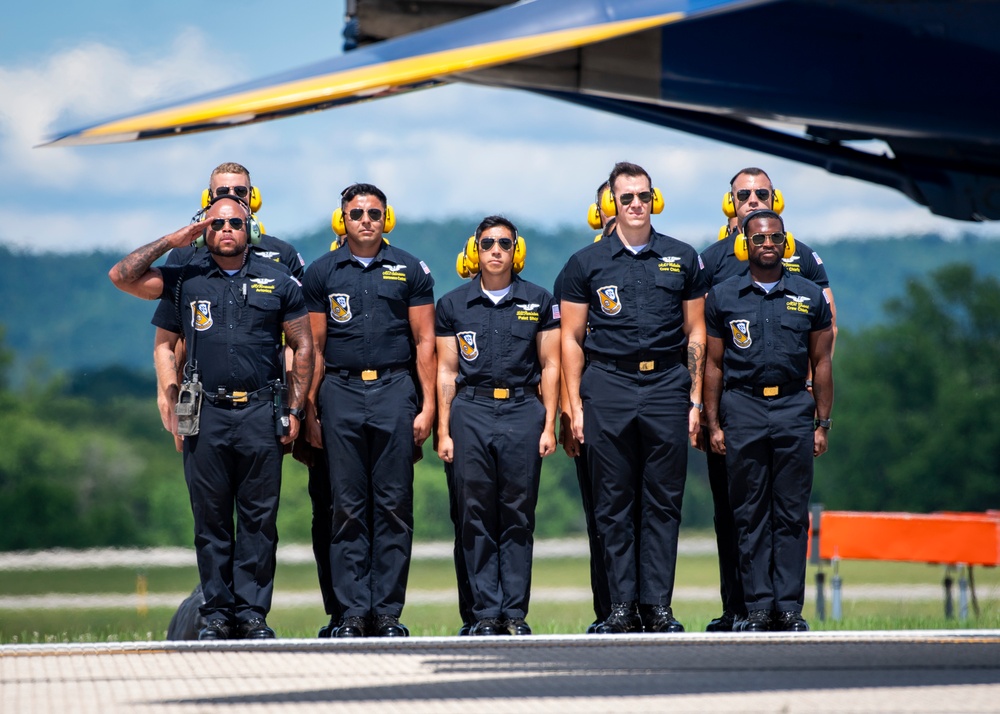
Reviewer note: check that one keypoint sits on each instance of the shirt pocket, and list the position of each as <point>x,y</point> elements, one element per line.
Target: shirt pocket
<point>265,310</point>
<point>795,328</point>
<point>524,329</point>
<point>393,300</point>
<point>669,289</point>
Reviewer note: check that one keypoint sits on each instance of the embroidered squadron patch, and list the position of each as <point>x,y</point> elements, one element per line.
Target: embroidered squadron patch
<point>741,333</point>
<point>610,304</point>
<point>340,307</point>
<point>201,315</point>
<point>467,344</point>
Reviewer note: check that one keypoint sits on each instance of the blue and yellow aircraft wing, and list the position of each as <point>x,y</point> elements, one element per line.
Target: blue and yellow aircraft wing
<point>422,59</point>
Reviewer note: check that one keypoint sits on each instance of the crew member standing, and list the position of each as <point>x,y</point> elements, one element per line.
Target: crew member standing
<point>232,310</point>
<point>596,218</point>
<point>750,190</point>
<point>636,405</point>
<point>371,307</point>
<point>766,329</point>
<point>498,352</point>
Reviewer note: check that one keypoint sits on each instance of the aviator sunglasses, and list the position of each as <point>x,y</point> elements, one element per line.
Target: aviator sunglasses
<point>645,197</point>
<point>778,238</point>
<point>487,243</point>
<point>373,213</point>
<point>240,191</point>
<point>763,194</point>
<point>218,223</point>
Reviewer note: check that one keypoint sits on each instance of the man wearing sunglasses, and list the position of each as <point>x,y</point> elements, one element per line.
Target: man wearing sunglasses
<point>633,337</point>
<point>498,382</point>
<point>750,190</point>
<point>767,329</point>
<point>372,405</point>
<point>232,310</point>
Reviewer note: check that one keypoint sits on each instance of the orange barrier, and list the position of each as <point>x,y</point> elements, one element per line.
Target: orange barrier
<point>948,538</point>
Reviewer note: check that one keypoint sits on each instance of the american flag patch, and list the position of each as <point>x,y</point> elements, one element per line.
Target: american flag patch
<point>424,266</point>
<point>819,261</point>
<point>701,263</point>
<point>555,312</point>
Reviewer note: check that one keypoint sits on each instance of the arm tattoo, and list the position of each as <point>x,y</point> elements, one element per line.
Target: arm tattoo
<point>447,393</point>
<point>696,362</point>
<point>134,265</point>
<point>299,338</point>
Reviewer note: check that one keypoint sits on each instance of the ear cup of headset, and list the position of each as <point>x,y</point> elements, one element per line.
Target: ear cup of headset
<point>255,199</point>
<point>337,222</point>
<point>462,266</point>
<point>728,205</point>
<point>254,230</point>
<point>789,245</point>
<point>390,219</point>
<point>724,231</point>
<point>778,204</point>
<point>608,203</point>
<point>206,198</point>
<point>657,201</point>
<point>594,217</point>
<point>472,255</point>
<point>520,253</point>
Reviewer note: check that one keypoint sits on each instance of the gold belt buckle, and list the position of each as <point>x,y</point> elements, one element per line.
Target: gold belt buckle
<point>239,398</point>
<point>771,391</point>
<point>369,375</point>
<point>501,394</point>
<point>647,366</point>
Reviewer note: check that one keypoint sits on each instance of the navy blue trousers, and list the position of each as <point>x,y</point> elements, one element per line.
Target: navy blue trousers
<point>235,461</point>
<point>769,456</point>
<point>496,469</point>
<point>368,439</point>
<point>636,440</point>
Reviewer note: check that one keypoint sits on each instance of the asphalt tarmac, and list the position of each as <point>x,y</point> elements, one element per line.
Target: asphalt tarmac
<point>926,671</point>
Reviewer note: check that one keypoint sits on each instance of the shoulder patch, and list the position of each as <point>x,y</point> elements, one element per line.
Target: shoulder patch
<point>340,307</point>
<point>819,261</point>
<point>610,304</point>
<point>741,333</point>
<point>201,315</point>
<point>467,345</point>
<point>424,266</point>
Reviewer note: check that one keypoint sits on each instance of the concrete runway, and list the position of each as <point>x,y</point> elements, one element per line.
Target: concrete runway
<point>927,671</point>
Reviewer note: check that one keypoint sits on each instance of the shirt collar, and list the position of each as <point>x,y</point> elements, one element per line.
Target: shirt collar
<point>474,291</point>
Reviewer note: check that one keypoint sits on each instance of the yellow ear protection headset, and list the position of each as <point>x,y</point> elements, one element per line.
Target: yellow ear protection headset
<point>610,207</point>
<point>254,202</point>
<point>467,263</point>
<point>594,217</point>
<point>729,203</point>
<point>340,228</point>
<point>253,228</point>
<point>740,249</point>
<point>729,208</point>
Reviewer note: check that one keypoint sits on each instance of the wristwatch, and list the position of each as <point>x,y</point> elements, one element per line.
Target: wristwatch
<point>822,424</point>
<point>699,407</point>
<point>297,413</point>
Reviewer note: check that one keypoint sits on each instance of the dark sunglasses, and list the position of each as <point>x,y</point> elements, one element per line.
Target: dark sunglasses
<point>778,238</point>
<point>240,191</point>
<point>218,223</point>
<point>645,197</point>
<point>374,213</point>
<point>763,194</point>
<point>487,243</point>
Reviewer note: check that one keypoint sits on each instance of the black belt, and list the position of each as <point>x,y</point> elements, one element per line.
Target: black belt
<point>771,391</point>
<point>516,394</point>
<point>661,363</point>
<point>222,397</point>
<point>367,375</point>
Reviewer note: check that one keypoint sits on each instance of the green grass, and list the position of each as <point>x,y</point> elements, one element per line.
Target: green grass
<point>101,625</point>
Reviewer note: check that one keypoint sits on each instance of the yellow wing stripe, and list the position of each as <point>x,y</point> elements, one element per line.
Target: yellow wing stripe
<point>376,78</point>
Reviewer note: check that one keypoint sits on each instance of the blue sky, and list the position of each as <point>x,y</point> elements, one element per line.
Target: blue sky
<point>441,152</point>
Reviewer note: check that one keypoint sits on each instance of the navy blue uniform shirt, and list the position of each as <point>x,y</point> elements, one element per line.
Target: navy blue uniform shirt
<point>719,263</point>
<point>367,309</point>
<point>766,335</point>
<point>270,249</point>
<point>636,310</point>
<point>232,323</point>
<point>497,346</point>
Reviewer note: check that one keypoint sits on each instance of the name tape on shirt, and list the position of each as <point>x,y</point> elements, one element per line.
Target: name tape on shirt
<point>670,264</point>
<point>394,272</point>
<point>797,303</point>
<point>262,285</point>
<point>528,311</point>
